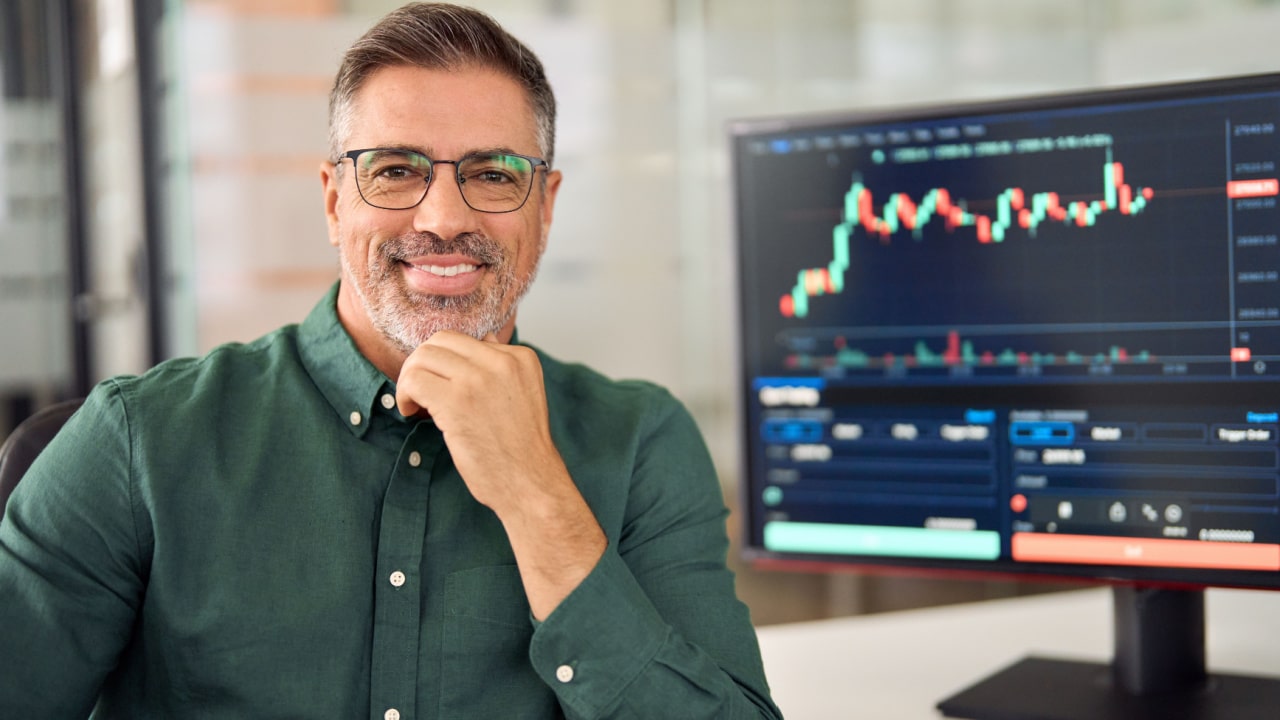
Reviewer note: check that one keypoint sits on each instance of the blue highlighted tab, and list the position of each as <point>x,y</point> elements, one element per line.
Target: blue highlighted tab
<point>980,417</point>
<point>878,540</point>
<point>1257,417</point>
<point>773,382</point>
<point>1042,433</point>
<point>791,431</point>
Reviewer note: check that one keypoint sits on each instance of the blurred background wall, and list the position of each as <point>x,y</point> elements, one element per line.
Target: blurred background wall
<point>159,173</point>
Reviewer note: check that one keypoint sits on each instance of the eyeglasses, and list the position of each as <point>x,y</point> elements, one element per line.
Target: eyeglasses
<point>394,179</point>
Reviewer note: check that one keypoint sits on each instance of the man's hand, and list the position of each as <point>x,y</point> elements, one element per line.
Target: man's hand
<point>488,400</point>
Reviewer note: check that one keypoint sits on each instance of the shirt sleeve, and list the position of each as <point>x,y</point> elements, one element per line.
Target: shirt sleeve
<point>656,629</point>
<point>70,576</point>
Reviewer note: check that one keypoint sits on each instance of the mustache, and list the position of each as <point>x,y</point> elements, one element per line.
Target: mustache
<point>473,245</point>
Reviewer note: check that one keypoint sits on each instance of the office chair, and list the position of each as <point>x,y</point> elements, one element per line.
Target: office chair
<point>27,440</point>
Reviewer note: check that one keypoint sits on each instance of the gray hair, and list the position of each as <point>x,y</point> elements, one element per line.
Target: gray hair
<point>439,36</point>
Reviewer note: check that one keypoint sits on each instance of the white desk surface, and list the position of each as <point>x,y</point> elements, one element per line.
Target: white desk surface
<point>898,665</point>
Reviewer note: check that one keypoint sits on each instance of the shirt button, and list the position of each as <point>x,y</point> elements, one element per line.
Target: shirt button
<point>397,578</point>
<point>392,714</point>
<point>388,401</point>
<point>355,418</point>
<point>415,458</point>
<point>564,673</point>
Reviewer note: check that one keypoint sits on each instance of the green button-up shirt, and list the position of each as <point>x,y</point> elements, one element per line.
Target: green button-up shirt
<point>258,533</point>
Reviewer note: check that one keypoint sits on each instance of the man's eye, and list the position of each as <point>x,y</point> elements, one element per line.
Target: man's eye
<point>492,177</point>
<point>397,172</point>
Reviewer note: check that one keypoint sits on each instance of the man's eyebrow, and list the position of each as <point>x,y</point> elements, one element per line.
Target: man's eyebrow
<point>493,151</point>
<point>496,150</point>
<point>402,148</point>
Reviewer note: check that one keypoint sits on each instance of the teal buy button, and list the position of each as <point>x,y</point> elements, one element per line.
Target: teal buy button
<point>881,540</point>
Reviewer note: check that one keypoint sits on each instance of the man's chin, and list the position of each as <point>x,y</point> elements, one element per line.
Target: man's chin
<point>410,335</point>
<point>410,318</point>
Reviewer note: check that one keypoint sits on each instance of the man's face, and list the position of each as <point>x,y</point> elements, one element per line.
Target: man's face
<point>440,265</point>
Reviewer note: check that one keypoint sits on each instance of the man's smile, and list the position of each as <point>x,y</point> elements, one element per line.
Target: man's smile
<point>447,271</point>
<point>453,274</point>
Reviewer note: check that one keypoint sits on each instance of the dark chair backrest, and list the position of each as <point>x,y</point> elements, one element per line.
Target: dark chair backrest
<point>27,440</point>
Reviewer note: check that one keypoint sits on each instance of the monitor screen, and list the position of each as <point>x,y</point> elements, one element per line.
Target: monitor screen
<point>1038,336</point>
<point>1031,336</point>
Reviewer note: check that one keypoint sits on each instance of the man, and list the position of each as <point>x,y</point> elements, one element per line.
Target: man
<point>391,510</point>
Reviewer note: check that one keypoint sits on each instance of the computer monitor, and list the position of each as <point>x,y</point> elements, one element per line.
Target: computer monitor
<point>1037,337</point>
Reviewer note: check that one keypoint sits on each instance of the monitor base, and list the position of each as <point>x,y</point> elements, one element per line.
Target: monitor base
<point>1045,689</point>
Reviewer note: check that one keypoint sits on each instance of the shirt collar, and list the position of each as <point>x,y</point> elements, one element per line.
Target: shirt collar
<point>344,376</point>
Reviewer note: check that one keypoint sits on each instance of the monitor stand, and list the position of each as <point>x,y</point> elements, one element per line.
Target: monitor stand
<point>1158,673</point>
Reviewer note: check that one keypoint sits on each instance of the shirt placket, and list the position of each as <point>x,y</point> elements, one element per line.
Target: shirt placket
<point>397,588</point>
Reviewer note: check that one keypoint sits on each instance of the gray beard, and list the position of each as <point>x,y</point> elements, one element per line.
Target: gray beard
<point>407,319</point>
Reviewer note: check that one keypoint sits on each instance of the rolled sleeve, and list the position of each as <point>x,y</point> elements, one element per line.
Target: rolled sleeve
<point>599,640</point>
<point>656,629</point>
<point>607,653</point>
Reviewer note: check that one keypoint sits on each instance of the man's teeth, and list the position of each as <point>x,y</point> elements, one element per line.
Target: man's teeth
<point>446,271</point>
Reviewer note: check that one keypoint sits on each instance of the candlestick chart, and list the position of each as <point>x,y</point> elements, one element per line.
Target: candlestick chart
<point>901,212</point>
<point>1077,244</point>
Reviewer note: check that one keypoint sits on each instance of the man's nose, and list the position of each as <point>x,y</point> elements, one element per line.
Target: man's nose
<point>444,211</point>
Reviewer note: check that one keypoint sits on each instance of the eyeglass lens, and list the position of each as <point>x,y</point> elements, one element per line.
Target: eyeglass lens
<point>398,179</point>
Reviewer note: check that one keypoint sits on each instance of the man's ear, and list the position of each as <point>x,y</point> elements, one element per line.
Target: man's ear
<point>330,181</point>
<point>547,209</point>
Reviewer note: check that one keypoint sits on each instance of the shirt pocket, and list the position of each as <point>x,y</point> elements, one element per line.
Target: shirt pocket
<point>486,670</point>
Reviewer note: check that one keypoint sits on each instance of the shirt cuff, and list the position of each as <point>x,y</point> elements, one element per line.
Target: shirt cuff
<point>598,640</point>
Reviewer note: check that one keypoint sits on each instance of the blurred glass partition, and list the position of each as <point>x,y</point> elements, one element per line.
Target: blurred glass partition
<point>39,346</point>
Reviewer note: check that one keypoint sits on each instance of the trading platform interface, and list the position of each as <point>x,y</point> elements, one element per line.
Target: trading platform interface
<point>1028,332</point>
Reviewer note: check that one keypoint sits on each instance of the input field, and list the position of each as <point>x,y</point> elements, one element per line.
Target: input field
<point>859,474</point>
<point>912,451</point>
<point>1260,458</point>
<point>1208,485</point>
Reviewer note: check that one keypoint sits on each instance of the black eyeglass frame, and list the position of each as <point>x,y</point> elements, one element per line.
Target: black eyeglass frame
<point>536,162</point>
